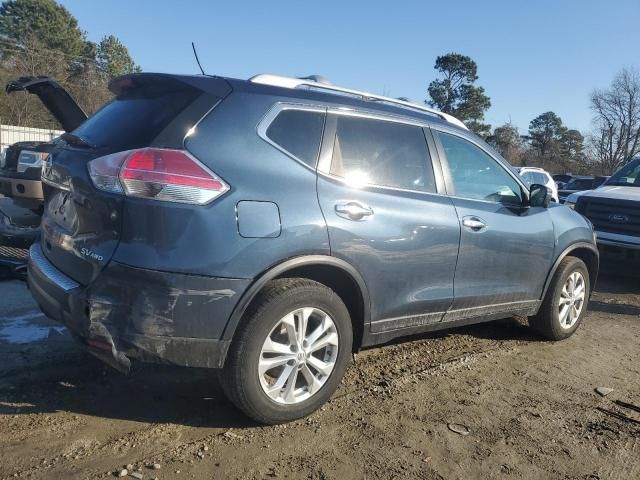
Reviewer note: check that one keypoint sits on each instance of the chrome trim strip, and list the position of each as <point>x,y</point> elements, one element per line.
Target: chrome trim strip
<point>443,318</point>
<point>386,117</point>
<point>38,261</point>
<point>193,128</point>
<point>409,321</point>
<point>373,185</point>
<point>292,83</point>
<point>486,310</point>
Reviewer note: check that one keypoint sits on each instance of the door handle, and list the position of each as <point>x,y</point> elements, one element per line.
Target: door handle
<point>473,223</point>
<point>352,210</point>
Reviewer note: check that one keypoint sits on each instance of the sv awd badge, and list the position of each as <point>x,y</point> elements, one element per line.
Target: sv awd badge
<point>88,253</point>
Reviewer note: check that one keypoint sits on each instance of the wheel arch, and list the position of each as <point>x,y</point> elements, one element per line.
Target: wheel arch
<point>333,272</point>
<point>586,252</point>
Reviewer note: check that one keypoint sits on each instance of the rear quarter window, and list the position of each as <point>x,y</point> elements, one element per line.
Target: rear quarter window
<point>298,132</point>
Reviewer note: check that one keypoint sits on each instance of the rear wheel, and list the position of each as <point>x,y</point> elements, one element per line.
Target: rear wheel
<point>290,352</point>
<point>566,301</point>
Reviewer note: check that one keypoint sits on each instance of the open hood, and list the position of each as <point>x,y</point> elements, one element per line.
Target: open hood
<point>54,97</point>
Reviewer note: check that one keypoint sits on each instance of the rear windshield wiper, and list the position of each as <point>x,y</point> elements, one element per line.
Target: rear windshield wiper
<point>73,139</point>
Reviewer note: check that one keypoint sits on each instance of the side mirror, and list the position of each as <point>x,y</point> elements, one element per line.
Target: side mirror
<point>539,195</point>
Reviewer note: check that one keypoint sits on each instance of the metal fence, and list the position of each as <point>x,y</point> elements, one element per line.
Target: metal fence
<point>10,134</point>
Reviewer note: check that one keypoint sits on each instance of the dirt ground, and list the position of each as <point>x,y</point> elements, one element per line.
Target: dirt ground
<point>529,405</point>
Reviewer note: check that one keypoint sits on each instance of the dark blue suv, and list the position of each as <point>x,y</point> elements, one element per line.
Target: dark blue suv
<point>271,227</point>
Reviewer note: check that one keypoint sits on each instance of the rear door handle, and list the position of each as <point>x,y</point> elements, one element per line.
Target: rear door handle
<point>473,223</point>
<point>352,210</point>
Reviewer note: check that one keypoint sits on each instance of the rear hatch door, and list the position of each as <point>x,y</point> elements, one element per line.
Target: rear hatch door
<point>54,97</point>
<point>81,225</point>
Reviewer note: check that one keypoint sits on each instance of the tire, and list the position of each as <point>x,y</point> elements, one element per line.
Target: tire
<point>249,388</point>
<point>549,322</point>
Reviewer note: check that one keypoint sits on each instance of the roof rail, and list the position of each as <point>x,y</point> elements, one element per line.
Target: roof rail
<point>290,82</point>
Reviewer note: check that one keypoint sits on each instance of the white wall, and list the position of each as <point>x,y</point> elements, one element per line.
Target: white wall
<point>10,134</point>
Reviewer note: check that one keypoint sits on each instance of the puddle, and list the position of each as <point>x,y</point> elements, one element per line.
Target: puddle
<point>20,330</point>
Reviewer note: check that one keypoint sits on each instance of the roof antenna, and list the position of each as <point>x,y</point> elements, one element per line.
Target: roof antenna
<point>193,45</point>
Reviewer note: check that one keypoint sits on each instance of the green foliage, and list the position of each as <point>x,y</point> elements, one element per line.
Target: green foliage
<point>545,131</point>
<point>456,93</point>
<point>508,142</point>
<point>40,37</point>
<point>571,144</point>
<point>554,146</point>
<point>113,57</point>
<point>43,20</point>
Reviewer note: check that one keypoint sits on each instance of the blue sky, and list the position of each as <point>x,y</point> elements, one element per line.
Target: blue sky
<point>532,56</point>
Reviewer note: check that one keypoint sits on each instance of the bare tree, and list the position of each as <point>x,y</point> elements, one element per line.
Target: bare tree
<point>616,136</point>
<point>79,75</point>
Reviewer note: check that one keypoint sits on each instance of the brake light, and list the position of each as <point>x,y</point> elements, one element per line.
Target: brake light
<point>158,174</point>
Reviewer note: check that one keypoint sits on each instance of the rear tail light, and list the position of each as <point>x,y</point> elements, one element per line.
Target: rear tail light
<point>158,174</point>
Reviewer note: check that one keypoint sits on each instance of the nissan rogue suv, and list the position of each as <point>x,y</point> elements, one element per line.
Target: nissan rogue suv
<point>269,228</point>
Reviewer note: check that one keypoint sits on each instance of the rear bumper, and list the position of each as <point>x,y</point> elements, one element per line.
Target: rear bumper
<point>131,313</point>
<point>21,188</point>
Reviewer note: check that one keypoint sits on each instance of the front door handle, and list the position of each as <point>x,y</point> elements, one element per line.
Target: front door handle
<point>473,223</point>
<point>352,210</point>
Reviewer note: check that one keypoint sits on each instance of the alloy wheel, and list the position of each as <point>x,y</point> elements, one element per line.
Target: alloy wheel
<point>298,355</point>
<point>572,298</point>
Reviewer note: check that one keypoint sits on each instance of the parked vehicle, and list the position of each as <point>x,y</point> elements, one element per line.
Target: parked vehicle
<point>614,209</point>
<point>19,228</point>
<point>533,175</point>
<point>20,173</point>
<point>579,184</point>
<point>561,179</point>
<point>271,227</point>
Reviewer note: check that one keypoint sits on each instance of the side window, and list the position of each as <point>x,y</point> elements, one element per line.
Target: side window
<point>474,174</point>
<point>299,132</point>
<point>378,152</point>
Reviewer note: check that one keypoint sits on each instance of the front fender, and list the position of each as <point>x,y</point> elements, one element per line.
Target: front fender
<point>591,259</point>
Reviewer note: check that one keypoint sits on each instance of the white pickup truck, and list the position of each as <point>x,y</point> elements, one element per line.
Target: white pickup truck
<point>614,208</point>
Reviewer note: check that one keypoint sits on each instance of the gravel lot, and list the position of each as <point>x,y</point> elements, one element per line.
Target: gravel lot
<point>529,406</point>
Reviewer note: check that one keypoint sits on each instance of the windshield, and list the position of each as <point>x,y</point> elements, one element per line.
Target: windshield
<point>579,184</point>
<point>629,175</point>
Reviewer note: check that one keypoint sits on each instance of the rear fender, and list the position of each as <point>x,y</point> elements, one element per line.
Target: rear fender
<point>283,268</point>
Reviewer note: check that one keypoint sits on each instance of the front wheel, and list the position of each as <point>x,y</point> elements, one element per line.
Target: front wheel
<point>290,352</point>
<point>566,301</point>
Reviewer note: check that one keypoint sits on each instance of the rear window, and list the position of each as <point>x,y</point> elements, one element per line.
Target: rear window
<point>134,118</point>
<point>534,177</point>
<point>579,184</point>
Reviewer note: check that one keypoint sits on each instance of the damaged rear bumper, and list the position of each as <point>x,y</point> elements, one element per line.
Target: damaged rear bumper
<point>132,313</point>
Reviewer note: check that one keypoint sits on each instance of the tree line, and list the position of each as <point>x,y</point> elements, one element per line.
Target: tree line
<point>41,37</point>
<point>548,143</point>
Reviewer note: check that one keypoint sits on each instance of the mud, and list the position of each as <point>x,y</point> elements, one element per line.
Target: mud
<point>529,406</point>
